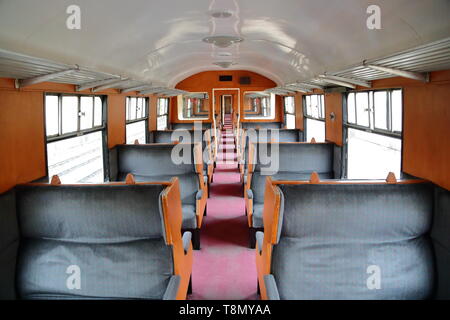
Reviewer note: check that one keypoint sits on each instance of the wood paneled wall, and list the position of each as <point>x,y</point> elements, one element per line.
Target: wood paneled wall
<point>333,127</point>
<point>426,128</point>
<point>209,80</point>
<point>22,136</point>
<point>426,124</point>
<point>298,101</point>
<point>22,144</point>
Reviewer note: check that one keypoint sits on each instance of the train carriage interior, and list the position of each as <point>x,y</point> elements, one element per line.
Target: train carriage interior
<point>225,150</point>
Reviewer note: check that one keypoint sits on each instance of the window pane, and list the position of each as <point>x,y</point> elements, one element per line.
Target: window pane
<point>397,111</point>
<point>127,108</point>
<point>315,129</point>
<point>351,117</point>
<point>98,112</point>
<point>132,108</point>
<point>322,106</point>
<point>162,123</point>
<point>372,156</point>
<point>144,108</point>
<point>380,109</point>
<point>69,114</point>
<point>136,131</point>
<point>139,108</point>
<point>87,113</point>
<point>289,105</point>
<point>51,115</point>
<point>290,121</point>
<point>315,106</point>
<point>166,106</point>
<point>308,105</point>
<point>77,160</point>
<point>362,108</point>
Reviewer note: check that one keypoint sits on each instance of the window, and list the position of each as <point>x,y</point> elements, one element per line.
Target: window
<point>314,117</point>
<point>289,112</point>
<point>162,113</point>
<point>260,106</point>
<point>75,130</point>
<point>374,128</point>
<point>136,119</point>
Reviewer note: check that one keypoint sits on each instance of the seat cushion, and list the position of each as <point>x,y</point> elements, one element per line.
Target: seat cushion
<point>257,217</point>
<point>109,237</point>
<point>355,241</point>
<point>189,217</point>
<point>308,270</point>
<point>106,270</point>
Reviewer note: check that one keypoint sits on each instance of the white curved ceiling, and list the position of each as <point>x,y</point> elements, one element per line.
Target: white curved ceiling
<point>160,40</point>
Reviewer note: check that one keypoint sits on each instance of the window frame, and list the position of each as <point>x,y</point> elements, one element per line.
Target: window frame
<point>60,137</point>
<point>346,125</point>
<point>372,117</point>
<point>145,118</point>
<point>78,132</point>
<point>307,116</point>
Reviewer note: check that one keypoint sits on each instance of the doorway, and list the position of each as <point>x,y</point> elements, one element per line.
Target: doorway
<point>227,103</point>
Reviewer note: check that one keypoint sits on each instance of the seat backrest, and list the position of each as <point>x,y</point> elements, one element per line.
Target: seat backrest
<point>294,157</point>
<point>269,135</point>
<point>9,243</point>
<point>441,242</point>
<point>149,160</point>
<point>295,161</point>
<point>154,163</point>
<point>262,125</point>
<point>290,135</point>
<point>179,135</point>
<point>354,241</point>
<point>97,241</point>
<point>190,125</point>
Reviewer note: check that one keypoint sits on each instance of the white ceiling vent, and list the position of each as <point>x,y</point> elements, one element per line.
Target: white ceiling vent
<point>223,41</point>
<point>224,64</point>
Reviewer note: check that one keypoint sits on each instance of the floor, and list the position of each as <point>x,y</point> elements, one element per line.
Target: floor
<point>224,268</point>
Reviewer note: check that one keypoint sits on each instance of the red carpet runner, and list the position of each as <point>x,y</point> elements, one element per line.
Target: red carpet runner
<point>225,268</point>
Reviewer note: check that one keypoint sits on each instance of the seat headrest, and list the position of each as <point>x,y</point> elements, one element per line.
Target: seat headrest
<point>97,213</point>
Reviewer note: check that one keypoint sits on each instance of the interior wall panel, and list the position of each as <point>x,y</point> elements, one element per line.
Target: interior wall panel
<point>333,127</point>
<point>21,138</point>
<point>209,80</point>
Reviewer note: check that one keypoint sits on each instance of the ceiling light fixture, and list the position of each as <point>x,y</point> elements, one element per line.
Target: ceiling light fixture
<point>221,14</point>
<point>224,64</point>
<point>223,41</point>
<point>223,54</point>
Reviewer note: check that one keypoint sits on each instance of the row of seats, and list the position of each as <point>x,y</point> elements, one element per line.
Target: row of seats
<point>205,137</point>
<point>108,241</point>
<point>161,162</point>
<point>342,239</point>
<point>262,135</point>
<point>121,240</point>
<point>284,161</point>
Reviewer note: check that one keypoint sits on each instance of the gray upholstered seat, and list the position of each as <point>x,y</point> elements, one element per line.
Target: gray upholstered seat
<point>267,135</point>
<point>262,125</point>
<point>180,135</point>
<point>295,162</point>
<point>333,238</point>
<point>257,216</point>
<point>189,218</point>
<point>154,163</point>
<point>111,237</point>
<point>189,125</point>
